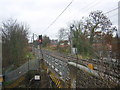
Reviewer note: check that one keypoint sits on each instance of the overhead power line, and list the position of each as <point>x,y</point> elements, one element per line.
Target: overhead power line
<point>84,7</point>
<point>112,10</point>
<point>66,9</point>
<point>93,5</point>
<point>59,15</point>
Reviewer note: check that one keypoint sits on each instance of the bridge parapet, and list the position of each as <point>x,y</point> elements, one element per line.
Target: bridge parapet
<point>58,65</point>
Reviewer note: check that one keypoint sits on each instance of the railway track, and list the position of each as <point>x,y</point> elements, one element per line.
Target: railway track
<point>98,65</point>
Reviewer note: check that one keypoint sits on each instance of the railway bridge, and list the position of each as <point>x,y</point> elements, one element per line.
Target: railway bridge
<point>68,72</point>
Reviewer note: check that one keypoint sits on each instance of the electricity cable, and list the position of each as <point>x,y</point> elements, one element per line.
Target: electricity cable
<point>59,15</point>
<point>82,9</point>
<point>112,10</point>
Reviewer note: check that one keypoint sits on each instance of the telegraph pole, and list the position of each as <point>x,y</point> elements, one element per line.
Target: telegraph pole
<point>71,36</point>
<point>33,41</point>
<point>33,44</point>
<point>33,37</point>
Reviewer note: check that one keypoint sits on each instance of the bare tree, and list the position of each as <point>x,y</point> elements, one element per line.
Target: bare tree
<point>62,34</point>
<point>97,21</point>
<point>14,38</point>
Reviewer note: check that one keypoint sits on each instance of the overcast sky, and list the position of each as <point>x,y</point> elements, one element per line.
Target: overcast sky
<point>39,14</point>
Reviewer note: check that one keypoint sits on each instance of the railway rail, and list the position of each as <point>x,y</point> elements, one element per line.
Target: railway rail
<point>99,65</point>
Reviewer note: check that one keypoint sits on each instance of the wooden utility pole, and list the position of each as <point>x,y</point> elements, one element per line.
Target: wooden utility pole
<point>71,41</point>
